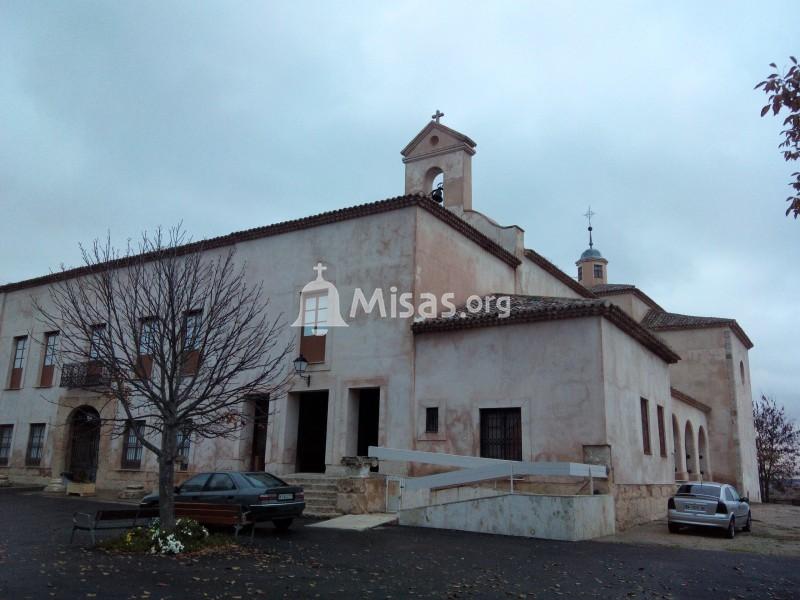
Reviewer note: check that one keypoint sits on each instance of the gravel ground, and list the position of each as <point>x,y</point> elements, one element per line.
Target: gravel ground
<point>776,532</point>
<point>37,561</point>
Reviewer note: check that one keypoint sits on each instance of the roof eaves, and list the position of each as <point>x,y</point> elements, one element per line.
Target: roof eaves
<point>326,218</point>
<point>612,312</point>
<point>545,264</point>
<point>687,399</point>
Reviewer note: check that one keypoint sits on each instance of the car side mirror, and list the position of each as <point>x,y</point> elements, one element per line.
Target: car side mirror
<point>744,500</point>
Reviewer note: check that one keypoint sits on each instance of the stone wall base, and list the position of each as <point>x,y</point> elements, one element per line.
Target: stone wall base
<point>640,503</point>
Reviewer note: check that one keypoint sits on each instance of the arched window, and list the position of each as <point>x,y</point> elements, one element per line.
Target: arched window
<point>702,453</point>
<point>741,371</point>
<point>691,454</point>
<point>677,451</point>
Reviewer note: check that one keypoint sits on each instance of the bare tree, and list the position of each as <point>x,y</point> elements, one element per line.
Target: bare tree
<point>777,444</point>
<point>783,91</point>
<point>172,335</point>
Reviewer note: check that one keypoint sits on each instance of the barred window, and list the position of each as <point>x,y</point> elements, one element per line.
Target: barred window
<point>432,419</point>
<point>184,445</point>
<point>147,337</point>
<point>96,341</point>
<point>192,333</point>
<point>132,447</point>
<point>501,433</point>
<point>5,443</point>
<point>33,457</point>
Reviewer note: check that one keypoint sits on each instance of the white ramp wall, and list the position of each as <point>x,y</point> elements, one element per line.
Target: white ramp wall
<point>569,518</point>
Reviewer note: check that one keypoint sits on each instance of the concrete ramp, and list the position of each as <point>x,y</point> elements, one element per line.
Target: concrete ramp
<point>357,522</point>
<point>569,518</point>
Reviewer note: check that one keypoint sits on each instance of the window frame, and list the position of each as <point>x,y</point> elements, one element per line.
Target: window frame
<point>95,339</point>
<point>597,271</point>
<point>192,326</point>
<point>314,333</point>
<point>16,381</point>
<point>132,442</point>
<point>5,443</point>
<point>644,405</point>
<point>431,419</point>
<point>49,358</point>
<point>35,448</point>
<point>511,445</point>
<point>662,433</point>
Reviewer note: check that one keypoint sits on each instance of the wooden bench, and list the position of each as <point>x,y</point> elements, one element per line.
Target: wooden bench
<point>215,514</point>
<point>107,519</point>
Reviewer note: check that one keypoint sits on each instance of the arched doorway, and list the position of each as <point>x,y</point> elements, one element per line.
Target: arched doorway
<point>677,451</point>
<point>691,454</point>
<point>702,453</point>
<point>84,444</point>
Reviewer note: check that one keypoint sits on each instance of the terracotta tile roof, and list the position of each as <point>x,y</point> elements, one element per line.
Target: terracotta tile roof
<point>659,320</point>
<point>530,309</point>
<point>612,289</point>
<point>687,399</point>
<point>545,264</point>
<point>334,216</point>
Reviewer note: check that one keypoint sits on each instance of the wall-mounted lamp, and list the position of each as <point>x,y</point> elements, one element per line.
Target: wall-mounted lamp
<point>300,366</point>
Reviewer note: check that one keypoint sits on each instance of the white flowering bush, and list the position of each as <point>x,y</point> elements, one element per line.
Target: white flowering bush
<point>187,536</point>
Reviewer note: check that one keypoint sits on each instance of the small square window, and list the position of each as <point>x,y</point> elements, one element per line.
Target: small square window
<point>432,419</point>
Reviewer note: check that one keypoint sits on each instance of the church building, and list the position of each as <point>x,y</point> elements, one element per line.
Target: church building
<point>529,364</point>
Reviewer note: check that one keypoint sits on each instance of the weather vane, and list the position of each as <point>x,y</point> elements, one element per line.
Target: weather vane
<point>589,214</point>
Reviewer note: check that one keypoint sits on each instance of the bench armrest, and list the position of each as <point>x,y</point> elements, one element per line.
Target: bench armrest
<point>86,516</point>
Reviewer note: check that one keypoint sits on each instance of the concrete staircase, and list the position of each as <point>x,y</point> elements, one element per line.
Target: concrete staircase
<point>320,490</point>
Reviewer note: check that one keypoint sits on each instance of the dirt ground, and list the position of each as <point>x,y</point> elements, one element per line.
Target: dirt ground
<point>776,532</point>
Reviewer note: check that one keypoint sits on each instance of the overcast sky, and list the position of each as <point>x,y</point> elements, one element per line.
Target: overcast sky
<point>124,116</point>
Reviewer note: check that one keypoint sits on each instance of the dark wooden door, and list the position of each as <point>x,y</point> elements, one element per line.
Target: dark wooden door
<point>501,433</point>
<point>84,444</point>
<point>258,448</point>
<point>368,420</point>
<point>312,429</point>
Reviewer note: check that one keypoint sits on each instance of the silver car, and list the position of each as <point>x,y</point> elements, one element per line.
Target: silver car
<point>709,505</point>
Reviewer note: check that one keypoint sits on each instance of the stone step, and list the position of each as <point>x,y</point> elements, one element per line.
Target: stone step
<point>321,514</point>
<point>312,496</point>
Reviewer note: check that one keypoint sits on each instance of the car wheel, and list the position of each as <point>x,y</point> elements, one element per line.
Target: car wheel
<point>673,527</point>
<point>282,524</point>
<point>731,532</point>
<point>748,524</point>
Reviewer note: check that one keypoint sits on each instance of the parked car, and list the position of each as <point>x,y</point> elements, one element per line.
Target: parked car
<point>267,497</point>
<point>709,504</point>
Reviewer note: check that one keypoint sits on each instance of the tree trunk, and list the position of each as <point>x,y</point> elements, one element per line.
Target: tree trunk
<point>166,479</point>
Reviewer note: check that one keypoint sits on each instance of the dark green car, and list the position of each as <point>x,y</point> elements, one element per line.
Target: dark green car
<point>265,496</point>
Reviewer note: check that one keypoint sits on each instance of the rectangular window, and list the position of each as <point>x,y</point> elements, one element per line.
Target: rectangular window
<point>662,440</point>
<point>191,342</point>
<point>144,362</point>
<point>33,457</point>
<point>315,327</point>
<point>96,341</point>
<point>432,419</point>
<point>132,446</point>
<point>501,433</point>
<point>49,360</point>
<point>580,273</point>
<point>18,362</point>
<point>598,271</point>
<point>184,445</point>
<point>645,424</point>
<point>5,443</point>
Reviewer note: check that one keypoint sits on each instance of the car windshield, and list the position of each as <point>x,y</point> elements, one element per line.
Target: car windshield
<point>699,489</point>
<point>263,480</point>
